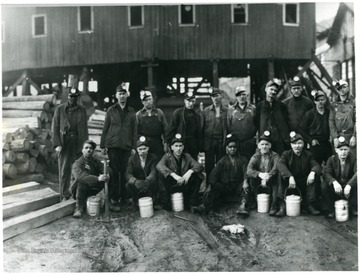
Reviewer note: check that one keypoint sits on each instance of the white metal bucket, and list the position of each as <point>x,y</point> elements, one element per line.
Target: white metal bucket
<point>146,207</point>
<point>93,206</point>
<point>263,203</point>
<point>177,202</point>
<point>341,210</point>
<point>293,205</point>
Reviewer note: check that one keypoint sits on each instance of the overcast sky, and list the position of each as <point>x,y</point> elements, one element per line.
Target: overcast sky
<point>326,10</point>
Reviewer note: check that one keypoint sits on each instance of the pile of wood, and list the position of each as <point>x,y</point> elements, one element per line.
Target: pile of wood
<point>27,146</point>
<point>95,127</point>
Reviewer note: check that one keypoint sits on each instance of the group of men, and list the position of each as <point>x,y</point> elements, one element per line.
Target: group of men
<point>279,146</point>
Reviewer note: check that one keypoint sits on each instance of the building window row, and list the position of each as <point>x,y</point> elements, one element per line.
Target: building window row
<point>186,15</point>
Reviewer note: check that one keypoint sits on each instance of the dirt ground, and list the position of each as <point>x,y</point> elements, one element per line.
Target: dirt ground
<point>167,243</point>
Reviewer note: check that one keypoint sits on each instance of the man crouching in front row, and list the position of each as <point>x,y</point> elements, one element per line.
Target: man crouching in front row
<point>87,178</point>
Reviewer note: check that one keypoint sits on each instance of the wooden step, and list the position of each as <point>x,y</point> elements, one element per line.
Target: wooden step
<point>15,226</point>
<point>20,188</point>
<point>27,196</point>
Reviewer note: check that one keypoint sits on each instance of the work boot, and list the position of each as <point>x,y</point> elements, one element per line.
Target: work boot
<point>311,210</point>
<point>282,210</point>
<point>273,209</point>
<point>79,209</point>
<point>242,210</point>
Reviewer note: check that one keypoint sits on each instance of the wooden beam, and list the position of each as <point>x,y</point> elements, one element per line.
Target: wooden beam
<point>21,224</point>
<point>25,178</point>
<point>16,83</point>
<point>324,72</point>
<point>313,80</point>
<point>215,72</point>
<point>25,206</point>
<point>27,196</point>
<point>19,188</point>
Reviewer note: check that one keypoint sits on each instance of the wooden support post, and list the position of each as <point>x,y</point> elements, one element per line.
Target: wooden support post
<point>150,74</point>
<point>271,70</point>
<point>215,72</point>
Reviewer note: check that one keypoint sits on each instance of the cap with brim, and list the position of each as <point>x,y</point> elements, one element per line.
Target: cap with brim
<point>272,82</point>
<point>295,82</point>
<point>89,141</point>
<point>240,90</point>
<point>177,138</point>
<point>142,141</point>
<point>214,92</point>
<point>144,95</point>
<point>342,83</point>
<point>342,142</point>
<point>265,136</point>
<point>295,137</point>
<point>74,92</point>
<point>316,94</point>
<point>230,138</point>
<point>189,95</point>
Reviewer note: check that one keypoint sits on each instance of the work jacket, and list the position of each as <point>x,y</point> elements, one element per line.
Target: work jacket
<point>253,168</point>
<point>135,171</point>
<point>241,122</point>
<point>342,118</point>
<point>332,170</point>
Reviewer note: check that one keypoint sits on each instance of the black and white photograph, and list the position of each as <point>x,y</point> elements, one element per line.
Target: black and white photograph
<point>189,136</point>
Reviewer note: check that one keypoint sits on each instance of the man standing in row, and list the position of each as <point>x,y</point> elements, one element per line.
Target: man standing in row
<point>151,124</point>
<point>271,115</point>
<point>296,105</point>
<point>187,122</point>
<point>69,131</point>
<point>118,140</point>
<point>241,123</point>
<point>215,129</point>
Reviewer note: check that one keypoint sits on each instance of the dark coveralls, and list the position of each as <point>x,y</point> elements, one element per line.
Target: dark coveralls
<point>241,123</point>
<point>187,123</point>
<point>119,136</point>
<point>316,126</point>
<point>69,130</point>
<point>299,167</point>
<point>346,174</point>
<point>84,179</point>
<point>215,130</point>
<point>142,181</point>
<point>265,164</point>
<point>273,118</point>
<point>169,164</point>
<point>226,179</point>
<point>296,108</point>
<point>152,127</point>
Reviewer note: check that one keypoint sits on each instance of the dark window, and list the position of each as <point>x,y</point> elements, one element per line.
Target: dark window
<point>39,25</point>
<point>136,16</point>
<point>239,13</point>
<point>291,13</point>
<point>85,19</point>
<point>187,14</point>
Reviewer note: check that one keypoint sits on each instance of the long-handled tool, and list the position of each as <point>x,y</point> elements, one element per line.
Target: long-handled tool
<point>107,213</point>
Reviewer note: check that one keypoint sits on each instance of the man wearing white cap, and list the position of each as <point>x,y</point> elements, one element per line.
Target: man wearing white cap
<point>151,123</point>
<point>340,179</point>
<point>141,174</point>
<point>342,120</point>
<point>241,123</point>
<point>179,172</point>
<point>187,122</point>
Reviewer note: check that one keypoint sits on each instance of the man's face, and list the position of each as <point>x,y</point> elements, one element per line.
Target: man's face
<point>143,151</point>
<point>296,91</point>
<point>231,148</point>
<point>87,150</point>
<point>271,92</point>
<point>264,146</point>
<point>297,146</point>
<point>190,103</point>
<point>121,97</point>
<point>343,152</point>
<point>72,99</point>
<point>343,90</point>
<point>241,98</point>
<point>320,102</point>
<point>216,99</point>
<point>148,102</point>
<point>177,148</point>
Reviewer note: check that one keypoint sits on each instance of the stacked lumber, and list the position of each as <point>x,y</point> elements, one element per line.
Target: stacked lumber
<point>95,127</point>
<point>26,132</point>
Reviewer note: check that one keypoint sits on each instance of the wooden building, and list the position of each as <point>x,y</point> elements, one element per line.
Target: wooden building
<point>155,46</point>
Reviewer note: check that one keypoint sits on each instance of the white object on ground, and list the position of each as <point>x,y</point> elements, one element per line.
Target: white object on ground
<point>234,228</point>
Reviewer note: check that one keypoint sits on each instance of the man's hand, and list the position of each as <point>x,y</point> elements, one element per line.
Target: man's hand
<point>179,180</point>
<point>337,187</point>
<point>103,177</point>
<point>104,151</point>
<point>58,150</point>
<point>347,190</point>
<point>264,176</point>
<point>314,142</point>
<point>263,183</point>
<point>336,142</point>
<point>145,186</point>
<point>245,186</point>
<point>292,182</point>
<point>352,141</point>
<point>311,178</point>
<point>187,175</point>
